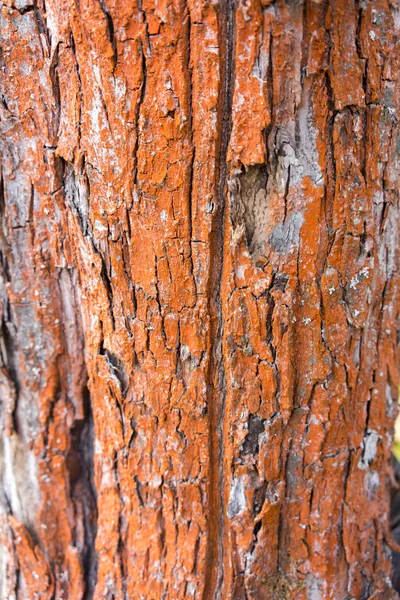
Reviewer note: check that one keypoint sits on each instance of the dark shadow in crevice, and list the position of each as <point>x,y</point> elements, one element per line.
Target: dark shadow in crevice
<point>395,524</point>
<point>80,463</point>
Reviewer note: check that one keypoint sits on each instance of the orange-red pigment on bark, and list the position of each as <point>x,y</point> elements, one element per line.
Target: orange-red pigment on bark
<point>199,298</point>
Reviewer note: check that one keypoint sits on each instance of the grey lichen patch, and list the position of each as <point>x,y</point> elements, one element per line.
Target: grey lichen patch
<point>372,483</point>
<point>286,168</point>
<point>286,235</point>
<point>237,498</point>
<point>77,195</point>
<point>371,440</point>
<point>19,478</point>
<point>308,156</point>
<point>315,588</point>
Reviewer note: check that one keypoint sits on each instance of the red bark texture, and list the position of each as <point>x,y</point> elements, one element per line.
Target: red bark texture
<point>199,298</point>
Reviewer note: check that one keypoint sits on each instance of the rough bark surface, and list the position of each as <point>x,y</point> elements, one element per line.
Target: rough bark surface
<point>199,298</point>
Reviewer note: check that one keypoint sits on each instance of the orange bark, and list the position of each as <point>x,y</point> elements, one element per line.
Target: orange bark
<point>199,298</point>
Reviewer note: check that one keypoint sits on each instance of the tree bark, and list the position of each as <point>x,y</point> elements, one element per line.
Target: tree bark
<point>199,298</point>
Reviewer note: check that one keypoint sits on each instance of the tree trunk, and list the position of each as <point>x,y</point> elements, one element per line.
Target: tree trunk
<point>199,298</point>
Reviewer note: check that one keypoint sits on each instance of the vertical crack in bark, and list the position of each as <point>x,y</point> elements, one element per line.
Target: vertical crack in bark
<point>7,341</point>
<point>80,462</point>
<point>214,574</point>
<point>140,103</point>
<point>192,161</point>
<point>110,32</point>
<point>80,457</point>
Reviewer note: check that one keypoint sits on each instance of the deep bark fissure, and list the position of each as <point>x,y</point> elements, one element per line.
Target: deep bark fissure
<point>214,573</point>
<point>80,464</point>
<point>193,155</point>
